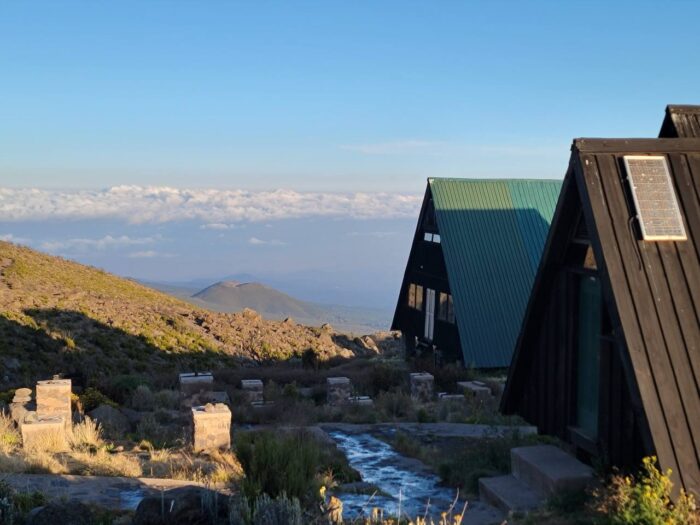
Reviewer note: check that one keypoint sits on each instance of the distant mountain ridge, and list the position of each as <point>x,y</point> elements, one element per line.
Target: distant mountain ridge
<point>231,295</point>
<point>235,296</point>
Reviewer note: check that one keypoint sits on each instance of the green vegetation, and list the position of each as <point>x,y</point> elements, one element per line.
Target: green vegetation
<point>293,463</point>
<point>645,499</point>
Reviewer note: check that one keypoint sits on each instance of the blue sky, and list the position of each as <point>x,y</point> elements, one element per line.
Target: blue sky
<point>333,96</point>
<point>119,119</point>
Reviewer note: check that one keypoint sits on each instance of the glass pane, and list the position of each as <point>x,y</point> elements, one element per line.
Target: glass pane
<point>436,238</point>
<point>419,297</point>
<point>442,310</point>
<point>428,237</point>
<point>588,359</point>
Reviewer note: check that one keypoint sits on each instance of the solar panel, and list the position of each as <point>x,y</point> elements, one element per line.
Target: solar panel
<point>654,198</point>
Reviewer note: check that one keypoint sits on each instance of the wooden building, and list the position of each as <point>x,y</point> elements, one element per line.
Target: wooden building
<point>608,357</point>
<point>471,267</point>
<point>681,122</point>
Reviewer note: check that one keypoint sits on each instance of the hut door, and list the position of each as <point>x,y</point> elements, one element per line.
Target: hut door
<point>588,358</point>
<point>429,313</point>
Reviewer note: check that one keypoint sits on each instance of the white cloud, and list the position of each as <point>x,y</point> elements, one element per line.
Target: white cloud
<point>217,226</point>
<point>149,254</point>
<point>8,237</point>
<point>259,242</point>
<point>108,241</point>
<point>140,204</point>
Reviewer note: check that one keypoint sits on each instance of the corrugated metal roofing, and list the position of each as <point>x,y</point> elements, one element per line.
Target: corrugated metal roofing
<point>492,234</point>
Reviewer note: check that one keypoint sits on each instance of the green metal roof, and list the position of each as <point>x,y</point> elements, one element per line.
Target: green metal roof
<point>492,234</point>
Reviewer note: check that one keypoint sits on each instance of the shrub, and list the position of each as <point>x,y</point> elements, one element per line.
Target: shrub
<point>395,404</point>
<point>121,387</point>
<point>168,399</point>
<point>279,511</point>
<point>384,377</point>
<point>143,399</point>
<point>91,398</point>
<point>645,499</point>
<point>151,430</point>
<point>276,464</point>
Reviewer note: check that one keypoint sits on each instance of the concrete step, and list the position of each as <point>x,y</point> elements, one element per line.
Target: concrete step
<point>547,469</point>
<point>509,494</point>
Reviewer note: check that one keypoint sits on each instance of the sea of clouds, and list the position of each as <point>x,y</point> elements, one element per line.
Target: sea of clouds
<point>159,204</point>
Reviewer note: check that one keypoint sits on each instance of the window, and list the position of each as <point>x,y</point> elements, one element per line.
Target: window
<point>588,359</point>
<point>446,311</point>
<point>415,296</point>
<point>431,237</point>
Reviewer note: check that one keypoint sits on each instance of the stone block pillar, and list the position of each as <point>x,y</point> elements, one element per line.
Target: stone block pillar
<point>46,433</point>
<point>53,400</point>
<point>196,382</point>
<point>211,427</point>
<point>476,389</point>
<point>339,390</point>
<point>422,386</point>
<point>253,389</point>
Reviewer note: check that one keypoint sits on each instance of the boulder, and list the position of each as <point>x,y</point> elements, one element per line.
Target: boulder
<point>63,512</point>
<point>182,506</point>
<point>133,416</point>
<point>111,419</point>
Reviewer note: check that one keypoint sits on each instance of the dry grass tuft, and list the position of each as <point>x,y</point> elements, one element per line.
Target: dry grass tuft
<point>86,435</point>
<point>12,463</point>
<point>43,462</point>
<point>10,438</point>
<point>102,463</point>
<point>227,468</point>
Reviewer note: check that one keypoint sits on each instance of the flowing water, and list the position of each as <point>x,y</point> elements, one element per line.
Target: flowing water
<point>404,485</point>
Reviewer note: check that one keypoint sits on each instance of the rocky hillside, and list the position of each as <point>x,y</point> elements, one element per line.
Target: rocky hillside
<point>60,316</point>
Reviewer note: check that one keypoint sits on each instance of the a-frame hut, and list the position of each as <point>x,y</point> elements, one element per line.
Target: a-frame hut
<point>471,267</point>
<point>681,122</point>
<point>608,357</point>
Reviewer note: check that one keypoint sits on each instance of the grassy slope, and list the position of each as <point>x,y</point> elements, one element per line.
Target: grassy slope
<point>60,316</point>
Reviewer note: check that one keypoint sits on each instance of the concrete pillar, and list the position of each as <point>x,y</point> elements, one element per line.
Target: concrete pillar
<point>253,389</point>
<point>211,427</point>
<point>339,390</point>
<point>422,386</point>
<point>46,433</point>
<point>195,382</point>
<point>53,400</point>
<point>476,389</point>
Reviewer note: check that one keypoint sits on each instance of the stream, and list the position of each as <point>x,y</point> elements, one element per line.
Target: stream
<point>403,484</point>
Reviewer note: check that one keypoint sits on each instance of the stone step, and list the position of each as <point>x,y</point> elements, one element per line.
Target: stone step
<point>547,469</point>
<point>509,494</point>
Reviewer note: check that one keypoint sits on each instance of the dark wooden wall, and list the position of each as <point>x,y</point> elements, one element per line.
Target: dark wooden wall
<point>542,382</point>
<point>426,267</point>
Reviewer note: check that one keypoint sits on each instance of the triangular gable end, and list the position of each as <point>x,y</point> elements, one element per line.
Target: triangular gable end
<point>651,290</point>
